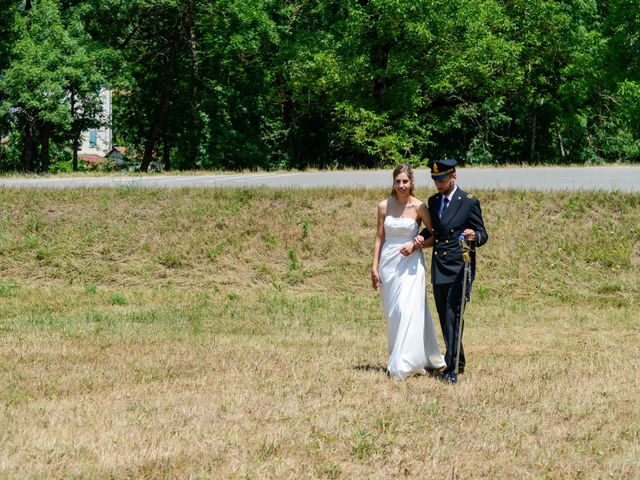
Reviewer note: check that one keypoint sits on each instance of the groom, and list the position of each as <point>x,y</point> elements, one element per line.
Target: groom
<point>453,212</point>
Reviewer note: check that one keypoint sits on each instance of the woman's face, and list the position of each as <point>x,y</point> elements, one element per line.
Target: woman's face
<point>402,184</point>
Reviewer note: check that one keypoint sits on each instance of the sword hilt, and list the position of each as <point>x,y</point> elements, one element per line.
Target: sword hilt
<point>466,248</point>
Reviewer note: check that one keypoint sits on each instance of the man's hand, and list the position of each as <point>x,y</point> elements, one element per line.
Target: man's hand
<point>470,235</point>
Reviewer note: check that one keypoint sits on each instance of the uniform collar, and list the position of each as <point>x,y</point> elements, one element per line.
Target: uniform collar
<point>452,193</point>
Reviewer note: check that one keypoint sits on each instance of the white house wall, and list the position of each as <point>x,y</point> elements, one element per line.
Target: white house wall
<point>103,135</point>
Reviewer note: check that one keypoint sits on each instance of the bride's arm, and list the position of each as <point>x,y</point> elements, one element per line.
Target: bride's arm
<point>419,242</point>
<point>375,276</point>
<point>425,216</point>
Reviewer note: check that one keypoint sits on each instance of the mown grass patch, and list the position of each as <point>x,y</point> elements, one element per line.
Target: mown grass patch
<point>233,334</point>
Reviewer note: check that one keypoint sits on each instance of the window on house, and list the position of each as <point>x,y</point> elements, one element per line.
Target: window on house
<point>93,138</point>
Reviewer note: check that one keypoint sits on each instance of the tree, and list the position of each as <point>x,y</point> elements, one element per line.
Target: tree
<point>154,75</point>
<point>84,78</point>
<point>34,85</point>
<point>51,86</point>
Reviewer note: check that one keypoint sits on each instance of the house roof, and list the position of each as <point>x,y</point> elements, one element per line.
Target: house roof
<point>90,158</point>
<point>119,150</point>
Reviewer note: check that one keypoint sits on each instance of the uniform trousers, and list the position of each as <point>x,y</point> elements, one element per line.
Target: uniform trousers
<point>448,298</point>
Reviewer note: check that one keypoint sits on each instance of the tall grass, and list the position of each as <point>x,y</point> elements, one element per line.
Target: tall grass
<point>233,334</point>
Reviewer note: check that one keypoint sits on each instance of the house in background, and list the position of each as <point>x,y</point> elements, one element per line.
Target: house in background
<point>118,156</point>
<point>99,141</point>
<point>92,161</point>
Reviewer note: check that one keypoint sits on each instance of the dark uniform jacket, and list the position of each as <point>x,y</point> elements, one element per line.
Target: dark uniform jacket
<point>463,212</point>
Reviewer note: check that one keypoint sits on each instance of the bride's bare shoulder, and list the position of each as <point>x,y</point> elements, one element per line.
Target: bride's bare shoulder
<point>422,209</point>
<point>416,202</point>
<point>387,202</point>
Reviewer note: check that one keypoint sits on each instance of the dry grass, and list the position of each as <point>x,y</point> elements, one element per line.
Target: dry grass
<point>233,334</point>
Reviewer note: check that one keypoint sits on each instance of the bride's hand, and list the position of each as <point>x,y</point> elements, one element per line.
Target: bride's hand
<point>375,279</point>
<point>407,249</point>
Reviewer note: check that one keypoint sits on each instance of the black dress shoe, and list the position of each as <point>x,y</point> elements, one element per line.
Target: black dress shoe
<point>450,377</point>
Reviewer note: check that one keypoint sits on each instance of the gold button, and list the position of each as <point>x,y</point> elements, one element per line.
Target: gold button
<point>435,253</point>
<point>437,241</point>
<point>451,231</point>
<point>446,241</point>
<point>444,253</point>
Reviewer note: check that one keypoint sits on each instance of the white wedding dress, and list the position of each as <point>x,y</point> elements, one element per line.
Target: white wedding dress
<point>413,344</point>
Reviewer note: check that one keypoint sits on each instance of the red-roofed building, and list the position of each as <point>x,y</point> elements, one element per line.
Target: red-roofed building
<point>92,161</point>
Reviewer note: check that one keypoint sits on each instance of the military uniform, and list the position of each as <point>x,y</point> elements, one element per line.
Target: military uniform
<point>447,264</point>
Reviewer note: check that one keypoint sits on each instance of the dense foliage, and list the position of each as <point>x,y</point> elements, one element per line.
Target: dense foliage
<point>295,83</point>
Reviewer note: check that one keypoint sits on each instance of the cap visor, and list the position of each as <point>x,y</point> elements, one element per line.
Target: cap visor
<point>441,176</point>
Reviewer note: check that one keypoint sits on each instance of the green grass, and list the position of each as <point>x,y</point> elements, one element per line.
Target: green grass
<point>234,334</point>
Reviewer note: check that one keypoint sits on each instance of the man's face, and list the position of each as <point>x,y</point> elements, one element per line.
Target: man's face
<point>446,185</point>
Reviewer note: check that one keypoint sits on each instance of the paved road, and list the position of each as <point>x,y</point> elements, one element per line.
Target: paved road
<point>611,178</point>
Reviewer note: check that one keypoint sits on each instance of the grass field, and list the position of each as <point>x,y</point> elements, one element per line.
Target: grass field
<point>234,334</point>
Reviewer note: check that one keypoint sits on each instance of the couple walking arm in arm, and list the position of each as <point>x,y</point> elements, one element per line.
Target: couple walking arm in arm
<point>399,261</point>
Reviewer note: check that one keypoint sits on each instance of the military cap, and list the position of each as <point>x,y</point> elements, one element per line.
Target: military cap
<point>442,168</point>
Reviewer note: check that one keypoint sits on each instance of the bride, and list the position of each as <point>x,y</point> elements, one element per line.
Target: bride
<point>412,340</point>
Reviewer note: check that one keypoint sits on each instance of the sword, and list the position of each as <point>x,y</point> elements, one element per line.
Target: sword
<point>466,257</point>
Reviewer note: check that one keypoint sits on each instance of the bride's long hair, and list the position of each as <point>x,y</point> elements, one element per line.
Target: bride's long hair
<point>403,168</point>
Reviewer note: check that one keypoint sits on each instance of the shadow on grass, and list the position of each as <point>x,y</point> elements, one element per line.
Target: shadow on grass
<point>371,368</point>
<point>383,370</point>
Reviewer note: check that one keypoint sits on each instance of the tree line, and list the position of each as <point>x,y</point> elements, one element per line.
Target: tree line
<point>270,84</point>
